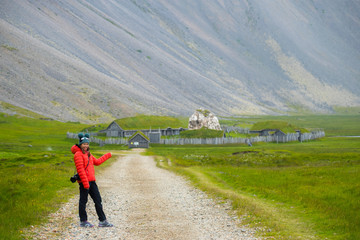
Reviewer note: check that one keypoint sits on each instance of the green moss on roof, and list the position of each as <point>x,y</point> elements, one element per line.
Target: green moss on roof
<point>202,133</point>
<point>281,125</point>
<point>151,121</point>
<point>141,133</point>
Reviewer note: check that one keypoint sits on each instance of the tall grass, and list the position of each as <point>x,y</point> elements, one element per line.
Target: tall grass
<point>329,194</point>
<point>28,193</point>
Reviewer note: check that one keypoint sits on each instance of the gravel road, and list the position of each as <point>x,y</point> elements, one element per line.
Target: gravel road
<point>146,202</point>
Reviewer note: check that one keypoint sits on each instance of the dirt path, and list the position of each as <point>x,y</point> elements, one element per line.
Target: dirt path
<point>146,202</point>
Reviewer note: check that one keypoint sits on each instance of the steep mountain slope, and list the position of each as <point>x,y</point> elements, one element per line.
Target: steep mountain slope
<point>99,60</point>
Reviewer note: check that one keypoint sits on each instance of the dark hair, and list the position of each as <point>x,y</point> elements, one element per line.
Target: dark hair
<point>78,145</point>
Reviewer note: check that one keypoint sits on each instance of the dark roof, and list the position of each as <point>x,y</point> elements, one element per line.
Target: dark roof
<point>139,133</point>
<point>114,123</point>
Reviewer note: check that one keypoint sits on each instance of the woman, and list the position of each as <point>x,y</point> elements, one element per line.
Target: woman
<point>84,163</point>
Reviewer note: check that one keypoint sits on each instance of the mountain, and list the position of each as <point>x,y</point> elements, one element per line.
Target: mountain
<point>94,61</point>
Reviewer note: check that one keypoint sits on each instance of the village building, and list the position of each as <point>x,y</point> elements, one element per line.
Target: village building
<point>114,130</point>
<point>138,140</point>
<point>280,135</point>
<point>269,132</point>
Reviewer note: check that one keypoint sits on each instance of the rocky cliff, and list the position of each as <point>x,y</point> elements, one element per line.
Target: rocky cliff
<point>100,60</point>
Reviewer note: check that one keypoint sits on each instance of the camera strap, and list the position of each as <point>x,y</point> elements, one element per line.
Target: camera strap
<point>88,162</point>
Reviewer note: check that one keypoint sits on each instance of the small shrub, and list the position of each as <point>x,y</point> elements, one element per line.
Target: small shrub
<point>205,112</point>
<point>9,47</point>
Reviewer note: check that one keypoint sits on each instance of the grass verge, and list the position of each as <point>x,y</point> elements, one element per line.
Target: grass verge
<point>286,191</point>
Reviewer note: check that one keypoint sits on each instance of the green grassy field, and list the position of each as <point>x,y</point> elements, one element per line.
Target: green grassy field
<point>35,166</point>
<point>301,190</point>
<point>291,191</point>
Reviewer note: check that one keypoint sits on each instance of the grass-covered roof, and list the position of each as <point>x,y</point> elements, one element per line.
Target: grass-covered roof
<point>151,121</point>
<point>141,133</point>
<point>281,125</point>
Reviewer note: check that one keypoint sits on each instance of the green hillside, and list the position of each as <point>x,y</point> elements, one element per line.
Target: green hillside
<point>151,121</point>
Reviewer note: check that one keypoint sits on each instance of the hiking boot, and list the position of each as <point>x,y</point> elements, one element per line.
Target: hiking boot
<point>86,224</point>
<point>105,223</point>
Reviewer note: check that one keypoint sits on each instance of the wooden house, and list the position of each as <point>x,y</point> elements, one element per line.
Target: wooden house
<point>139,140</point>
<point>114,130</point>
<point>269,132</point>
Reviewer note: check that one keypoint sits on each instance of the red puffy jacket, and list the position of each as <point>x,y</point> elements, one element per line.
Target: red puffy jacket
<point>81,161</point>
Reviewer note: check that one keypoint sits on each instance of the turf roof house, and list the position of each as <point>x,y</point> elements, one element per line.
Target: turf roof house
<point>269,132</point>
<point>138,140</point>
<point>276,132</point>
<point>114,130</point>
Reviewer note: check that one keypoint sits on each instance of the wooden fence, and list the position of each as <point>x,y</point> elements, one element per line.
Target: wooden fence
<point>182,141</point>
<point>287,138</point>
<point>118,141</point>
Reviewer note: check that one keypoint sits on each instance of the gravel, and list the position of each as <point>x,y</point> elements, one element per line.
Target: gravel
<point>146,202</point>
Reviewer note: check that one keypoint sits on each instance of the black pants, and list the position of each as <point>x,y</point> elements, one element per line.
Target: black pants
<point>94,193</point>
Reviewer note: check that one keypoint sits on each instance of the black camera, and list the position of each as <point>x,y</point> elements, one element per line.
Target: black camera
<point>74,178</point>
